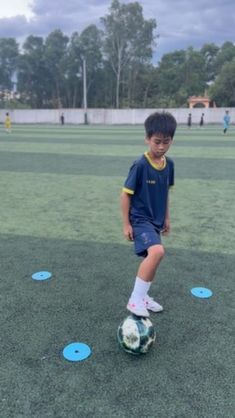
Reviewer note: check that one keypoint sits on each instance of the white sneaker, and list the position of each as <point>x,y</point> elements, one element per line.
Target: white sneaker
<point>152,305</point>
<point>138,308</point>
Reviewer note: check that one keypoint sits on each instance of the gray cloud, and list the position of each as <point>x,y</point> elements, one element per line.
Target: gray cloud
<point>13,26</point>
<point>180,23</point>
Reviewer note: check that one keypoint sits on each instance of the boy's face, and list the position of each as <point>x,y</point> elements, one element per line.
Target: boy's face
<point>158,144</point>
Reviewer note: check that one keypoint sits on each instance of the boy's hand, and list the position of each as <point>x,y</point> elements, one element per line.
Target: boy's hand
<point>166,228</point>
<point>128,232</point>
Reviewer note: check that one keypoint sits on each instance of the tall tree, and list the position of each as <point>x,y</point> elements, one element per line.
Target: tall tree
<point>210,53</point>
<point>55,56</point>
<point>194,73</point>
<point>33,74</point>
<point>181,74</point>
<point>127,38</point>
<point>225,54</point>
<point>223,89</point>
<point>170,77</point>
<point>8,61</point>
<point>90,46</point>
<point>144,90</point>
<point>72,72</point>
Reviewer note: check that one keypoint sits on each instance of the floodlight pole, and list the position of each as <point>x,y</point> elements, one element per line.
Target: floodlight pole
<point>84,92</point>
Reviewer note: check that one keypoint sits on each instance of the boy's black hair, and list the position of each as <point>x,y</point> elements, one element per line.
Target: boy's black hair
<point>162,123</point>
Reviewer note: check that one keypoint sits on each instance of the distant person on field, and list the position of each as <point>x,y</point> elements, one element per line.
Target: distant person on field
<point>62,119</point>
<point>201,123</point>
<point>145,207</point>
<point>226,120</point>
<point>189,121</point>
<point>8,123</point>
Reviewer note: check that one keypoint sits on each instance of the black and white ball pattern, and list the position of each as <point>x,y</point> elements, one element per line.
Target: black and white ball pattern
<point>136,334</point>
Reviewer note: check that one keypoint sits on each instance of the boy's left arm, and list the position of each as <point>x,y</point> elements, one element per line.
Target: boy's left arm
<point>166,227</point>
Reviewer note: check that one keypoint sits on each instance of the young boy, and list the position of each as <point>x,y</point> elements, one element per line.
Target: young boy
<point>145,208</point>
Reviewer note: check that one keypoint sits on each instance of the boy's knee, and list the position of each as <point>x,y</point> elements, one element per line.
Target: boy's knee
<point>157,251</point>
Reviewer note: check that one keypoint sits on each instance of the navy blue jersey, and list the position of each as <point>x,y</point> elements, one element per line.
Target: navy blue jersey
<point>148,186</point>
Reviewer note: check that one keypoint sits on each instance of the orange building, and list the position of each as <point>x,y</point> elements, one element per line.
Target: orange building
<point>200,101</point>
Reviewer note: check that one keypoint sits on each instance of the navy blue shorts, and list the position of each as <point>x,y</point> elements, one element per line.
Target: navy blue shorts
<point>145,235</point>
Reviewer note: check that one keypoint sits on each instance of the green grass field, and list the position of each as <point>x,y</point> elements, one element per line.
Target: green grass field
<point>59,211</point>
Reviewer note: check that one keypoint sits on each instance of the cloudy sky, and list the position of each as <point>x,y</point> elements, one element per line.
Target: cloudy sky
<point>180,23</point>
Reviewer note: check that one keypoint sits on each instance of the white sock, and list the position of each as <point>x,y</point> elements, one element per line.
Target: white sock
<point>140,290</point>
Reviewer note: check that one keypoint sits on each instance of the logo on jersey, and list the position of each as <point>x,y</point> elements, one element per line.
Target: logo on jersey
<point>151,181</point>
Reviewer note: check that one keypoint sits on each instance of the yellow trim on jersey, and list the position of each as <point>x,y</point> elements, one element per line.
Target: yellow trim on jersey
<point>154,165</point>
<point>128,191</point>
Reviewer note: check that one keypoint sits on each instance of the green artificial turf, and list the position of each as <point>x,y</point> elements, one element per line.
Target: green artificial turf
<point>60,212</point>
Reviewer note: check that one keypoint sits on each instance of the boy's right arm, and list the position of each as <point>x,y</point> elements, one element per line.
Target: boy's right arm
<point>125,209</point>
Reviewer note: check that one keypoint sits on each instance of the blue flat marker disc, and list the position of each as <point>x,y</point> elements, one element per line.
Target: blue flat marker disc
<point>41,275</point>
<point>201,292</point>
<point>76,351</point>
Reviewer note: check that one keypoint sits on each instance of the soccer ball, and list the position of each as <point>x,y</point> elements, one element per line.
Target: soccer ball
<point>136,334</point>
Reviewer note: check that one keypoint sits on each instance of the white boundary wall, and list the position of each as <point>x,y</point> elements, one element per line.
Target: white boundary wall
<point>112,116</point>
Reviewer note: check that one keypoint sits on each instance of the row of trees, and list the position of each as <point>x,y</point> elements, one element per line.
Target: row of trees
<point>120,72</point>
